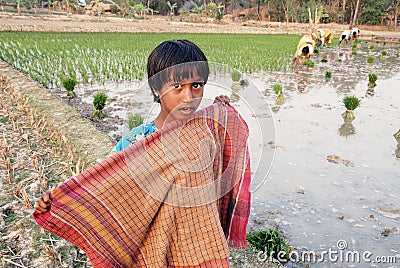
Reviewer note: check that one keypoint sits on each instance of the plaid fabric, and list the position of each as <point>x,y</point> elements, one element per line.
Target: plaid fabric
<point>174,199</point>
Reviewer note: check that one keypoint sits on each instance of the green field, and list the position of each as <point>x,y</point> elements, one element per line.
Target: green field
<point>99,57</point>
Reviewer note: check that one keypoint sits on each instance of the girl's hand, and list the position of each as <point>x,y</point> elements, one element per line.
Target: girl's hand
<point>43,204</point>
<point>222,98</point>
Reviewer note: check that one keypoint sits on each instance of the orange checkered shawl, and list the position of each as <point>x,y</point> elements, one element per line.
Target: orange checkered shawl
<point>177,198</point>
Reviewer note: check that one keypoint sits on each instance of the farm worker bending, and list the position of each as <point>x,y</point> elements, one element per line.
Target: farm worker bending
<point>319,37</point>
<point>328,36</point>
<point>355,33</point>
<point>305,48</point>
<point>345,36</point>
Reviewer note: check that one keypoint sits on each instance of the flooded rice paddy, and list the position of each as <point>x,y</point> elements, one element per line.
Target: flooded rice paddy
<point>318,178</point>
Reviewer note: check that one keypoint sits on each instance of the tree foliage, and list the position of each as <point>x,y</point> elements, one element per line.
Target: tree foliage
<point>373,12</point>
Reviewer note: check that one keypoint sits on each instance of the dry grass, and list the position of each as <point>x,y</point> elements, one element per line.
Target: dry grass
<point>33,158</point>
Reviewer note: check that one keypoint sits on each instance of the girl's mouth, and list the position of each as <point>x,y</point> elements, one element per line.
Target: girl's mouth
<point>186,110</point>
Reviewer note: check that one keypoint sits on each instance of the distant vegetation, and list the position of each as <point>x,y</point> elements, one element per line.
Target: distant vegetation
<point>369,12</point>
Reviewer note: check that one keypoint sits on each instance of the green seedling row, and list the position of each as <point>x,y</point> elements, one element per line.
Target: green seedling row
<point>100,57</point>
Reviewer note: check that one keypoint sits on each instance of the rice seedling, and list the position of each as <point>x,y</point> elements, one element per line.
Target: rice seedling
<point>99,102</point>
<point>69,84</point>
<point>351,103</point>
<point>309,63</point>
<point>372,79</point>
<point>354,53</point>
<point>371,47</point>
<point>134,120</point>
<point>271,242</point>
<point>116,57</point>
<point>384,53</point>
<point>279,98</point>
<point>235,75</point>
<point>324,60</point>
<point>370,59</point>
<point>354,46</point>
<point>328,75</point>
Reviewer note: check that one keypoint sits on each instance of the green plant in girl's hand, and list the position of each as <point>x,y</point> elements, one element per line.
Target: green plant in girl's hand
<point>372,79</point>
<point>279,98</point>
<point>69,84</point>
<point>99,102</point>
<point>351,103</point>
<point>271,242</point>
<point>134,120</point>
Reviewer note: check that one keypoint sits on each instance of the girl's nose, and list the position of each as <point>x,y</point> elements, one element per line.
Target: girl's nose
<point>188,95</point>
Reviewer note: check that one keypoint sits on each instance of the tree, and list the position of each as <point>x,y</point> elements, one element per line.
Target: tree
<point>396,6</point>
<point>171,8</point>
<point>354,20</point>
<point>18,7</point>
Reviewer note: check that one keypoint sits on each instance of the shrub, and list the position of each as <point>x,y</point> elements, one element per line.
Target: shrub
<point>114,9</point>
<point>99,102</point>
<point>271,242</point>
<point>69,84</point>
<point>134,120</point>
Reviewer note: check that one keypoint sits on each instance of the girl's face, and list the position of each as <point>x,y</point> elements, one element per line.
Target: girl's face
<point>180,99</point>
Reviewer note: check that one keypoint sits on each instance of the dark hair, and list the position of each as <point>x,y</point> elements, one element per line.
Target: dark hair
<point>305,50</point>
<point>181,58</point>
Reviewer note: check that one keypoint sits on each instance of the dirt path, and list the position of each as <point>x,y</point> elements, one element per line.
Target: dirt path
<point>159,24</point>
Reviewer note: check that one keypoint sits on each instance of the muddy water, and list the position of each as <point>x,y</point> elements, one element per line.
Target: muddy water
<point>317,202</point>
<point>317,177</point>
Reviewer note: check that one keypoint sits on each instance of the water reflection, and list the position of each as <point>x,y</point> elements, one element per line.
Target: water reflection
<point>301,83</point>
<point>397,151</point>
<point>370,92</point>
<point>235,90</point>
<point>347,129</point>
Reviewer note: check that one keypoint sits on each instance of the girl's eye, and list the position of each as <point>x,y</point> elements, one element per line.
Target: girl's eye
<point>197,85</point>
<point>176,85</point>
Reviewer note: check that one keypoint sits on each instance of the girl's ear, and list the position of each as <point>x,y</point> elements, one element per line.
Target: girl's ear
<point>156,96</point>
